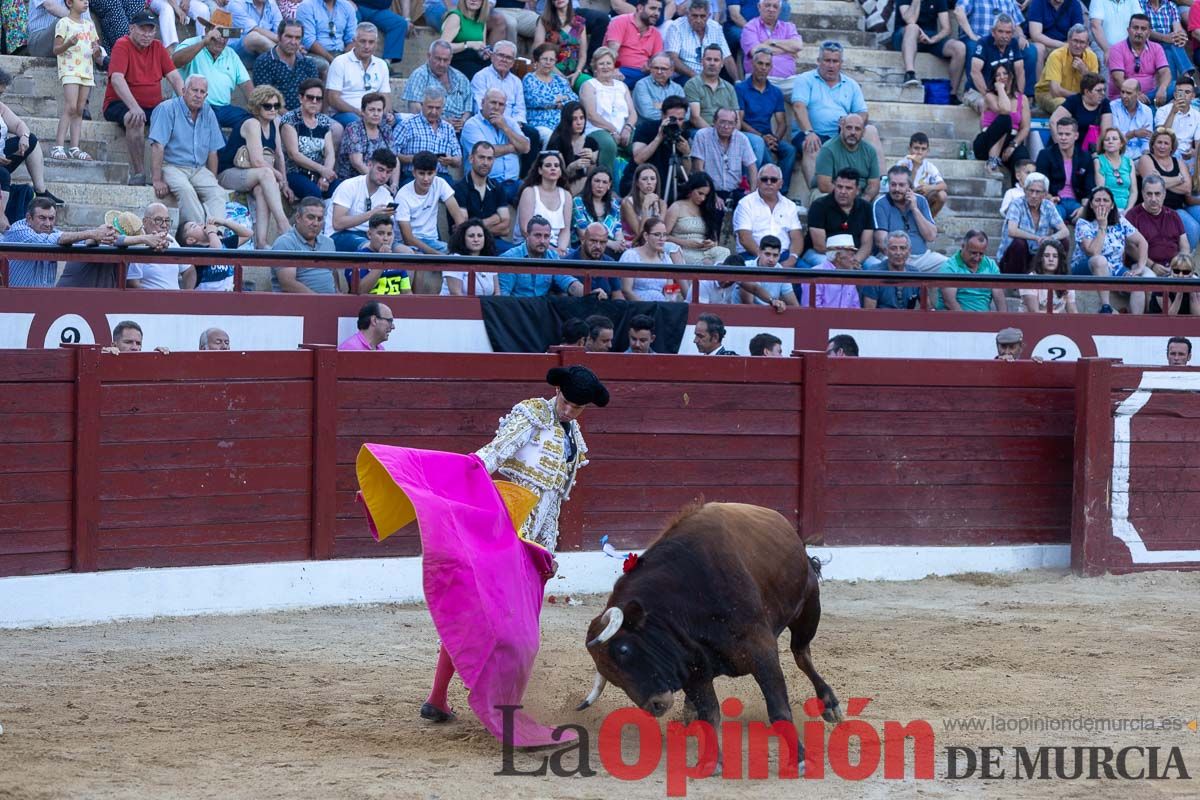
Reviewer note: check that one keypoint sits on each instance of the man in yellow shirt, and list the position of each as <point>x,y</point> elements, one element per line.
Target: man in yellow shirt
<point>1065,68</point>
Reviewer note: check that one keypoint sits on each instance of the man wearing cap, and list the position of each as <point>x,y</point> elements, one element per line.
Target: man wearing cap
<point>136,71</point>
<point>210,57</point>
<point>1009,344</point>
<point>841,249</point>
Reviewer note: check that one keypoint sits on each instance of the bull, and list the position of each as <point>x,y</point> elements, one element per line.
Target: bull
<point>710,598</point>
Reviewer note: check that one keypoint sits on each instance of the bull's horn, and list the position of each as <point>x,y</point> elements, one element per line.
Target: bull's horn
<point>612,620</point>
<point>594,694</point>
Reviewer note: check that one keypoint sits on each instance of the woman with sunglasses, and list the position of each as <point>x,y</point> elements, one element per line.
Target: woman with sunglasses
<point>266,174</point>
<point>651,247</point>
<point>544,194</point>
<point>1114,170</point>
<point>1186,302</point>
<point>308,142</point>
<point>1101,239</point>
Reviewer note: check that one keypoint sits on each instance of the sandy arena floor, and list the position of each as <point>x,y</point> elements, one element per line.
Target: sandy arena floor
<point>323,704</point>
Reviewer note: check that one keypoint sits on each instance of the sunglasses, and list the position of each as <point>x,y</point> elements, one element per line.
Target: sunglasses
<point>332,30</point>
<point>769,179</point>
<point>1137,63</point>
<point>829,44</point>
<point>1181,271</point>
<point>271,106</point>
<point>316,98</point>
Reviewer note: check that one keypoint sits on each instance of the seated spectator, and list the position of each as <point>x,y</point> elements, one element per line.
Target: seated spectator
<point>308,141</point>
<point>1004,122</point>
<point>38,227</point>
<point>598,204</point>
<point>898,252</point>
<point>841,249</point>
<point>722,292</point>
<point>305,237</point>
<point>708,91</point>
<point>214,339</point>
<point>1101,240</point>
<point>565,27</point>
<point>902,209</point>
<point>364,136</point>
<point>650,92</point>
<point>537,245</point>
<point>924,27</point>
<point>1066,65</point>
<point>971,260</point>
<point>993,49</point>
<point>693,222</point>
<point>329,27</point>
<point>381,238</point>
<point>1166,29</point>
<point>481,198</point>
<point>214,277</point>
<point>687,37</point>
<point>418,204</point>
<point>156,221</point>
<point>764,116</point>
<point>358,199</point>
<point>777,294</point>
<point>258,21</point>
<point>394,27</point>
<point>841,211</point>
<point>608,103</point>
<point>1030,221</point>
<point>592,248</point>
<point>1068,169</point>
<point>1162,161</point>
<point>641,202</point>
<point>465,28</point>
<point>131,232</point>
<point>1133,119</point>
<point>725,154</point>
<point>633,40</point>
<point>1051,259</point>
<point>651,248</point>
<point>654,143</point>
<point>518,18</point>
<point>1022,169</point>
<point>1138,58</point>
<point>766,344</point>
<point>848,150</point>
<point>766,212</point>
<point>428,132</point>
<point>582,153</point>
<point>1090,109</point>
<point>285,67</point>
<point>1052,23</point>
<point>600,334</point>
<point>252,161</point>
<point>546,91</point>
<point>209,57</point>
<point>1114,170</point>
<point>641,334</point>
<point>709,334</point>
<point>1184,302</point>
<point>136,70</point>
<point>375,325</point>
<point>472,238</point>
<point>544,195</point>
<point>127,338</point>
<point>499,75</point>
<point>1161,227</point>
<point>460,101</point>
<point>494,126</point>
<point>926,177</point>
<point>355,75</point>
<point>185,138</point>
<point>842,346</point>
<point>777,36</point>
<point>1182,118</point>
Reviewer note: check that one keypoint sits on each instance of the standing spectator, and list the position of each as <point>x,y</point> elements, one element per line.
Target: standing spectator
<point>356,74</point>
<point>902,209</point>
<point>460,102</point>
<point>285,67</point>
<point>764,117</point>
<point>136,70</point>
<point>170,13</point>
<point>652,90</point>
<point>1003,19</point>
<point>426,131</point>
<point>1133,119</point>
<point>694,223</point>
<point>608,104</point>
<point>74,39</point>
<point>253,161</point>
<point>1101,240</point>
<point>841,212</point>
<point>38,227</point>
<point>897,295</point>
<point>214,277</point>
<point>597,204</point>
<point>766,212</point>
<point>778,37</point>
<point>375,324</point>
<point>1138,58</point>
<point>259,22</point>
<point>1183,119</point>
<point>582,152</point>
<point>725,154</point>
<point>472,239</point>
<point>651,248</point>
<point>494,126</point>
<point>185,138</point>
<point>842,346</point>
<point>687,38</point>
<point>1159,226</point>
<point>1005,123</point>
<point>708,91</point>
<point>841,249</point>
<point>561,25</point>
<point>546,91</point>
<point>1068,169</point>
<point>481,198</point>
<point>209,57</point>
<point>1110,22</point>
<point>1114,171</point>
<point>1029,223</point>
<point>923,26</point>
<point>600,334</point>
<point>328,27</point>
<point>1091,111</point>
<point>1065,66</point>
<point>1050,27</point>
<point>544,195</point>
<point>358,199</point>
<point>633,40</point>
<point>642,202</point>
<point>499,75</point>
<point>305,237</point>
<point>848,150</point>
<point>1166,28</point>
<point>308,141</point>
<point>364,136</point>
<point>418,204</point>
<point>1162,161</point>
<point>1050,260</point>
<point>991,51</point>
<point>465,28</point>
<point>393,26</point>
<point>971,260</point>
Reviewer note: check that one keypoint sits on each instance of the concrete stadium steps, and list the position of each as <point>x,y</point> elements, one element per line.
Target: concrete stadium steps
<point>90,173</point>
<point>100,139</point>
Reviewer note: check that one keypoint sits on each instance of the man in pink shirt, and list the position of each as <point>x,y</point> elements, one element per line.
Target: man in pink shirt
<point>635,40</point>
<point>375,323</point>
<point>778,36</point>
<point>1141,59</point>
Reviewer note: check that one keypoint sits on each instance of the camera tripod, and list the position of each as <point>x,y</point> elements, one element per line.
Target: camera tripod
<point>675,168</point>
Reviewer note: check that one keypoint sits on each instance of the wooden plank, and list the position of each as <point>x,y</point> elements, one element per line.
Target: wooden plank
<point>1154,427</point>
<point>227,510</point>
<point>813,424</point>
<point>436,393</point>
<point>203,482</point>
<point>86,457</point>
<point>253,366</point>
<point>921,374</point>
<point>56,541</point>
<point>910,537</point>
<point>204,397</point>
<point>733,369</point>
<point>1164,478</point>
<point>949,519</point>
<point>21,517</point>
<point>28,427</point>
<point>525,367</point>
<point>946,473</point>
<point>324,451</point>
<point>950,423</point>
<point>149,456</point>
<point>611,472</point>
<point>184,427</point>
<point>35,457</point>
<point>200,556</point>
<point>23,398</point>
<point>192,535</point>
<point>1162,454</point>
<point>948,498</point>
<point>1002,400</point>
<point>1185,405</point>
<point>1167,504</point>
<point>45,487</point>
<point>394,546</point>
<point>354,526</point>
<point>26,366</point>
<point>673,498</point>
<point>34,564</point>
<point>884,447</point>
<point>413,422</point>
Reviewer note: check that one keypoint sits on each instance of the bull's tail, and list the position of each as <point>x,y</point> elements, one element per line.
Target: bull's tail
<point>816,564</point>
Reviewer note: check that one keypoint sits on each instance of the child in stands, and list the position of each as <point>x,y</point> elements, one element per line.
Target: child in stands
<point>75,44</point>
<point>1023,168</point>
<point>927,179</point>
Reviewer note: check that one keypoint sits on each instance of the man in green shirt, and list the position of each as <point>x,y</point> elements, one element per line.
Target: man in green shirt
<point>707,91</point>
<point>847,150</point>
<point>971,260</point>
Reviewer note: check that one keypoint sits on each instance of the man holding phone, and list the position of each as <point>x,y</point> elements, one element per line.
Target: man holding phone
<point>358,199</point>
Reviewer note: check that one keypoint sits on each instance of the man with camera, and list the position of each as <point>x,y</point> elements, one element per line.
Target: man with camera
<point>655,143</point>
<point>210,57</point>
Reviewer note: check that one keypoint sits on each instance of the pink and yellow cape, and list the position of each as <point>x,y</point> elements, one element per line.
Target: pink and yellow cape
<point>483,583</point>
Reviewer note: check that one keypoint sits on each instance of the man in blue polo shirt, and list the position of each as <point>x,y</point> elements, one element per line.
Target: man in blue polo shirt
<point>536,245</point>
<point>764,117</point>
<point>1049,24</point>
<point>998,47</point>
<point>977,17</point>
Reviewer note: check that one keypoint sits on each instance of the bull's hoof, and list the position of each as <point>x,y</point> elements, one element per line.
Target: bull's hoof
<point>832,713</point>
<point>434,714</point>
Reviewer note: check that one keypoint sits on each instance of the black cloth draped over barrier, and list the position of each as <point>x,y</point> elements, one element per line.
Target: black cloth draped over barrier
<point>533,324</point>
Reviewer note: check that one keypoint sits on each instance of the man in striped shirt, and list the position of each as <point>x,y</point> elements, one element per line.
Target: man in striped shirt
<point>38,228</point>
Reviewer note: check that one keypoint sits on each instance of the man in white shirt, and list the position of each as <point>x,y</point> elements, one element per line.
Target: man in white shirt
<point>766,212</point>
<point>358,199</point>
<point>157,220</point>
<point>1110,22</point>
<point>417,205</point>
<point>356,73</point>
<point>1182,118</point>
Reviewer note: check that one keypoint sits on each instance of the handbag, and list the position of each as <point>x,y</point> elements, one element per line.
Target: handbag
<point>241,159</point>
